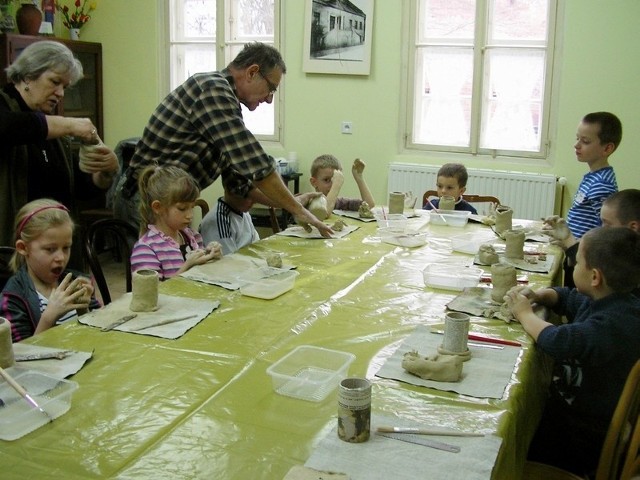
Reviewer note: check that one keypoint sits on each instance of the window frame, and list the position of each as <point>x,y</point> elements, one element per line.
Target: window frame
<point>480,74</point>
<point>224,44</point>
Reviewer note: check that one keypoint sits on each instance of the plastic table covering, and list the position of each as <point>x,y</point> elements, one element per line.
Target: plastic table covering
<point>202,406</point>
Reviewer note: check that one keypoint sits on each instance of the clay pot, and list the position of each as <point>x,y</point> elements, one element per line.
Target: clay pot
<point>28,18</point>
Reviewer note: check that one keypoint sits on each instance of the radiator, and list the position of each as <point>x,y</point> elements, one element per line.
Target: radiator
<point>530,195</point>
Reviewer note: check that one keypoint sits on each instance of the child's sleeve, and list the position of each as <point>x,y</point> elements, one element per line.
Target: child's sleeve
<point>143,257</point>
<point>18,314</point>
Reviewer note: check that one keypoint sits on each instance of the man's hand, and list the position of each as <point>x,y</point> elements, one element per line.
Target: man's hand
<point>307,218</point>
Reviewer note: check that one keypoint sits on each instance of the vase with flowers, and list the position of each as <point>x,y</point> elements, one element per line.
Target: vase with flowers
<point>74,20</point>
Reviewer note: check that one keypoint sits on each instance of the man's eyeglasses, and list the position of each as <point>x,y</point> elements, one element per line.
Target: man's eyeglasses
<point>272,88</point>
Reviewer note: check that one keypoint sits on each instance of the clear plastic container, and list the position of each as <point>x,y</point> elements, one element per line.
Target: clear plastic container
<point>309,373</point>
<point>450,218</point>
<point>470,242</point>
<point>396,223</point>
<point>18,417</point>
<point>451,277</point>
<point>272,286</point>
<point>409,239</point>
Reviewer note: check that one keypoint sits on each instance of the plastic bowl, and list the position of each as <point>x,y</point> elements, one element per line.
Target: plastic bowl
<point>309,373</point>
<point>451,277</point>
<point>451,218</point>
<point>272,286</point>
<point>18,417</point>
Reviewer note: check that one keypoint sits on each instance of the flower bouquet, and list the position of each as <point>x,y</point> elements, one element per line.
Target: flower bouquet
<point>76,19</point>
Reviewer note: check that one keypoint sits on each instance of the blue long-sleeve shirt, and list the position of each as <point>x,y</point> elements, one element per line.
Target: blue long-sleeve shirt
<point>595,351</point>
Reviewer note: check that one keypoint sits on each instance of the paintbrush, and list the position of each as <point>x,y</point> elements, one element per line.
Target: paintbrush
<point>426,431</point>
<point>22,392</point>
<point>165,322</point>
<point>436,210</point>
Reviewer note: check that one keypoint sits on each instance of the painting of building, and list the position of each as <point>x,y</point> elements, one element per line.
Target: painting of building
<point>336,25</point>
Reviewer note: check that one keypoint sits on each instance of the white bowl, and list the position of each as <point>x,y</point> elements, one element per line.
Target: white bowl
<point>451,218</point>
<point>451,277</point>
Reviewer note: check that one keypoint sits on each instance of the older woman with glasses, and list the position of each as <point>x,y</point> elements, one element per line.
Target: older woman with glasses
<point>34,140</point>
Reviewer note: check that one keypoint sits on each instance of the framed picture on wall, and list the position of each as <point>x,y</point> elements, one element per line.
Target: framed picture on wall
<point>337,36</point>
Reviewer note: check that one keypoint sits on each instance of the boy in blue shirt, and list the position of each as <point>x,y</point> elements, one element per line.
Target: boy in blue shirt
<point>452,181</point>
<point>594,352</point>
<point>598,136</point>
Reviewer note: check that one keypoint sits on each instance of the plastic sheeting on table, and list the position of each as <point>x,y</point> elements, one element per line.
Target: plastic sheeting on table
<point>203,404</point>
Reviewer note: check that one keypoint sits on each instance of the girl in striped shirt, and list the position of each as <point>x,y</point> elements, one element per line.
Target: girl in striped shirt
<point>168,245</point>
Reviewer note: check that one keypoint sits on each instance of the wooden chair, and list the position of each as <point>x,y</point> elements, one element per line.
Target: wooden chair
<point>273,217</point>
<point>619,457</point>
<point>5,271</point>
<point>122,234</point>
<point>481,199</point>
<point>469,198</point>
<point>204,206</point>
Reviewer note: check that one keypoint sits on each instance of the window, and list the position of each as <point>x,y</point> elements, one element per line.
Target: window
<point>205,35</point>
<point>480,76</point>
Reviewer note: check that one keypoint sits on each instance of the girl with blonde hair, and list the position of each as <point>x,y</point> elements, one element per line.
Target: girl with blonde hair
<point>168,245</point>
<point>42,292</point>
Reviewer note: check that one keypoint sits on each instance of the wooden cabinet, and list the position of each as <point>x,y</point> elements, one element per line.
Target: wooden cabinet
<point>84,99</point>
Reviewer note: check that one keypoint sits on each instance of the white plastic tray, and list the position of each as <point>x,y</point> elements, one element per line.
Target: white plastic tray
<point>450,218</point>
<point>270,287</point>
<point>451,277</point>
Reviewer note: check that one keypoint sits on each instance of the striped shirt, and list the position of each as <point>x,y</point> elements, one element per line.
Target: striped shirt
<point>199,128</point>
<point>43,302</point>
<point>347,204</point>
<point>159,252</point>
<point>232,229</point>
<point>594,188</point>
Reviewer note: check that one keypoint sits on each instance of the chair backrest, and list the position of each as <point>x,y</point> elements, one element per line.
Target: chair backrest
<point>619,458</point>
<point>481,199</point>
<point>204,206</point>
<point>428,194</point>
<point>118,231</point>
<point>273,217</point>
<point>469,198</point>
<point>5,271</point>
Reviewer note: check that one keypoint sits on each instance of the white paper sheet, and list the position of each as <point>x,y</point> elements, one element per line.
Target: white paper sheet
<point>169,307</point>
<point>233,271</point>
<point>387,458</point>
<point>60,368</point>
<point>485,375</point>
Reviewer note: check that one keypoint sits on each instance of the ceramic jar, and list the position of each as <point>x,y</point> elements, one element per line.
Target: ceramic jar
<point>28,18</point>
